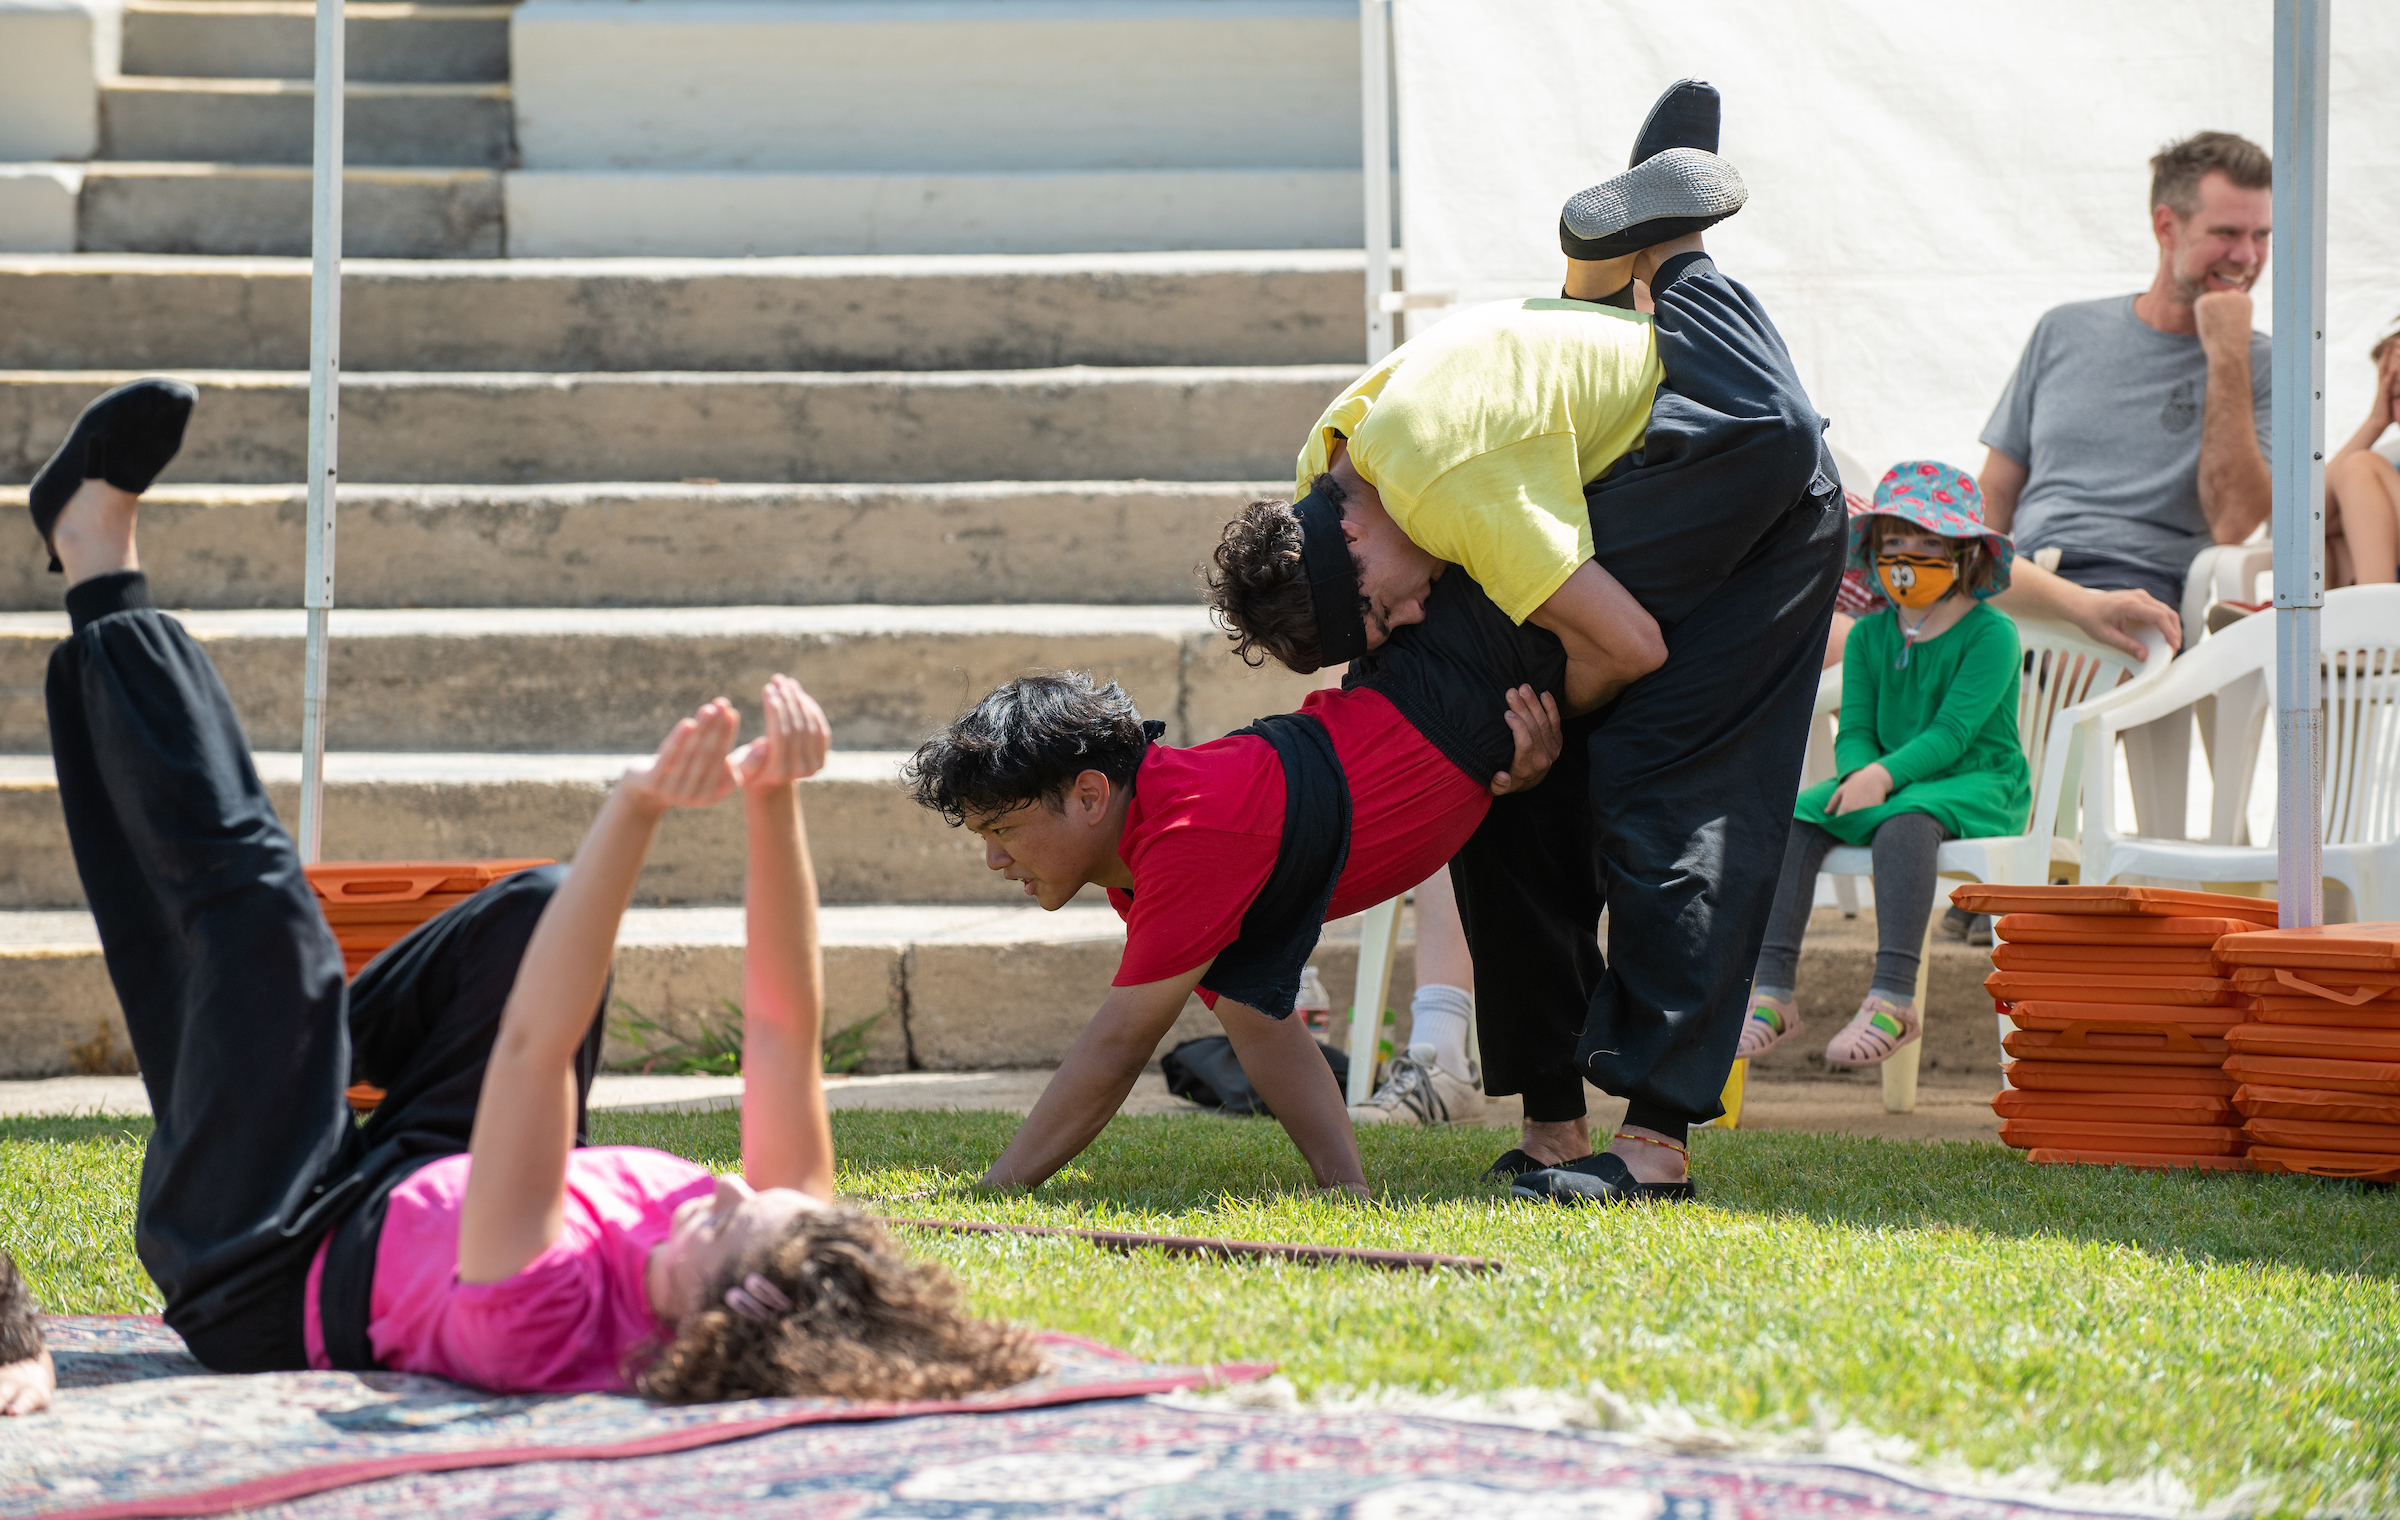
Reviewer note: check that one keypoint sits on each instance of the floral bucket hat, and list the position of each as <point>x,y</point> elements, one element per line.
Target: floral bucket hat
<point>1941,500</point>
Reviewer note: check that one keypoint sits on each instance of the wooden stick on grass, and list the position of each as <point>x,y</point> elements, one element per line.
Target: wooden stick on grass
<point>1197,1245</point>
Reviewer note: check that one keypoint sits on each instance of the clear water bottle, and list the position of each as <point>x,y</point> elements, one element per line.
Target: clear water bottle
<point>1315,1004</point>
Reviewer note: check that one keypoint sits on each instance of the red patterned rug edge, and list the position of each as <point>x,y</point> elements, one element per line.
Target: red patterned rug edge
<point>306,1481</point>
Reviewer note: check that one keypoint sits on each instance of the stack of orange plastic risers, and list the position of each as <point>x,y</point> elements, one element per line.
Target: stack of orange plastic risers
<point>2319,1061</point>
<point>373,904</point>
<point>2122,1015</point>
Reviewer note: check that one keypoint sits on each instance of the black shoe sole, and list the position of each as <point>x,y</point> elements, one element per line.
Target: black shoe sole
<point>1688,114</point>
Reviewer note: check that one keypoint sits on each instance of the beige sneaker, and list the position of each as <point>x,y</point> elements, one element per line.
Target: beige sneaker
<point>1416,1091</point>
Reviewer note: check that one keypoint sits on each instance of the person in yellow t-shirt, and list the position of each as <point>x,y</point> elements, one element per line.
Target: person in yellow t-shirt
<point>1691,597</point>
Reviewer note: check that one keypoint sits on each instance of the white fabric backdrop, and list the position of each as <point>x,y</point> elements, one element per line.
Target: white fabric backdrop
<point>1925,179</point>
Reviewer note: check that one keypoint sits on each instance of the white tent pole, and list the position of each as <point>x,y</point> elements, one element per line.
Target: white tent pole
<point>1375,113</point>
<point>2298,468</point>
<point>324,416</point>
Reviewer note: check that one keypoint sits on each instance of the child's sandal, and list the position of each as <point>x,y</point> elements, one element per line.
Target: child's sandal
<point>1772,1021</point>
<point>1882,1027</point>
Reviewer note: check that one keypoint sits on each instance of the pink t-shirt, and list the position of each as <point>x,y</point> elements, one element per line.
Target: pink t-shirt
<point>566,1323</point>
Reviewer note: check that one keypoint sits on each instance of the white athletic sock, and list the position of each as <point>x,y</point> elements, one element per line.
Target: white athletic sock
<point>1438,1017</point>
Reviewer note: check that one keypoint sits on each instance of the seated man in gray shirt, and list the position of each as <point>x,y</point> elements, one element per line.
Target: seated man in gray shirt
<point>2134,433</point>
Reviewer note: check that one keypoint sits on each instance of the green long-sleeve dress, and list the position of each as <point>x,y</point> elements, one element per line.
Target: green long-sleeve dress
<point>1945,727</point>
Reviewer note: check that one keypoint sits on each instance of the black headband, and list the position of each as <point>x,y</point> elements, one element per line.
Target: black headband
<point>1332,578</point>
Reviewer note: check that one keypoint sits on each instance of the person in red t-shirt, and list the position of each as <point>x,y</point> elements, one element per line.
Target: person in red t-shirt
<point>1226,858</point>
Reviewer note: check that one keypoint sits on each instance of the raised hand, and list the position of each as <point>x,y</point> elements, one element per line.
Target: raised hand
<point>794,745</point>
<point>1533,723</point>
<point>690,768</point>
<point>2223,317</point>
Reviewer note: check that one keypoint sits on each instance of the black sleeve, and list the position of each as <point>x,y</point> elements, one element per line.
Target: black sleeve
<point>1450,675</point>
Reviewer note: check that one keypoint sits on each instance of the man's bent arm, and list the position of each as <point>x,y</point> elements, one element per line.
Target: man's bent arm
<point>1611,641</point>
<point>2235,488</point>
<point>1092,1082</point>
<point>2114,618</point>
<point>2003,481</point>
<point>1280,1058</point>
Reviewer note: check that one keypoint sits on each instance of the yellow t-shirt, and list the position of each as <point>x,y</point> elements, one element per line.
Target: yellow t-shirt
<point>1481,435</point>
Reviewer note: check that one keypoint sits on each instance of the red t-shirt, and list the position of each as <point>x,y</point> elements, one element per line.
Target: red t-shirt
<point>1205,824</point>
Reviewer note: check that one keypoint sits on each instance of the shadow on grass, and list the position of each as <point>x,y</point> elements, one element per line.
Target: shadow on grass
<point>129,1129</point>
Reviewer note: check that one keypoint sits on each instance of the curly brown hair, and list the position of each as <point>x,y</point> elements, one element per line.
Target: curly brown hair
<point>868,1323</point>
<point>1259,590</point>
<point>20,1331</point>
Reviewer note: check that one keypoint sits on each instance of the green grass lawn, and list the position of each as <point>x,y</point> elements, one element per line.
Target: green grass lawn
<point>2223,1329</point>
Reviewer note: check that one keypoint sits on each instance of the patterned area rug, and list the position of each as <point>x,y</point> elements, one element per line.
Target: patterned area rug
<point>140,1428</point>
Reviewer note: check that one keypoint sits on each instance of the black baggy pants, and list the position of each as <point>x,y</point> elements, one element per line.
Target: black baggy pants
<point>1671,805</point>
<point>232,989</point>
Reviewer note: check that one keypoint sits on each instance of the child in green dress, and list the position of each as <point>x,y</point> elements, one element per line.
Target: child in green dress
<point>1927,750</point>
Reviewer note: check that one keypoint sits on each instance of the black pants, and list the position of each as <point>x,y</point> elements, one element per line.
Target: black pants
<point>232,990</point>
<point>1672,803</point>
<point>1906,848</point>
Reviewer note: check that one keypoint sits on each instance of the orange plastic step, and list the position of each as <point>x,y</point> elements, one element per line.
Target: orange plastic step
<point>2106,960</point>
<point>2087,1135</point>
<point>2190,991</point>
<point>2209,1022</point>
<point>2117,929</point>
<point>2057,1156</point>
<point>2104,1077</point>
<point>2320,1135</point>
<point>2323,947</point>
<point>2382,1077</point>
<point>2128,1044</point>
<point>2316,1105</point>
<point>2313,1163</point>
<point>2146,902</point>
<point>2380,1045</point>
<point>2113,1108</point>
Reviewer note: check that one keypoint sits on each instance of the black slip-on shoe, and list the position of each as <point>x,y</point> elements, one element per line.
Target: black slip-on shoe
<point>1511,1165</point>
<point>1688,115</point>
<point>125,438</point>
<point>1597,1178</point>
<point>1677,192</point>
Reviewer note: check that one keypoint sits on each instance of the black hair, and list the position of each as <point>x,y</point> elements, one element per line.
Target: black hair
<point>1027,741</point>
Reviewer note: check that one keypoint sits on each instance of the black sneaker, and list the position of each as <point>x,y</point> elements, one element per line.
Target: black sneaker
<point>125,437</point>
<point>1688,115</point>
<point>1676,192</point>
<point>1979,931</point>
<point>1597,1178</point>
<point>1956,922</point>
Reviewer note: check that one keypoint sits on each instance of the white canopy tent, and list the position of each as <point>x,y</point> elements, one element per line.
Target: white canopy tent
<point>1925,181</point>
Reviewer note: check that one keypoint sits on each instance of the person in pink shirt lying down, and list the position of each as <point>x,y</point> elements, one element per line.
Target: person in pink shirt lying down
<point>464,1229</point>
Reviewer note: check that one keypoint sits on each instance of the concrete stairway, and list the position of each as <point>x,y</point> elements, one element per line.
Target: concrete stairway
<point>607,507</point>
<point>206,134</point>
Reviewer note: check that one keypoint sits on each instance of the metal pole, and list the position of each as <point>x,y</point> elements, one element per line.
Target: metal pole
<point>2301,52</point>
<point>324,416</point>
<point>1375,122</point>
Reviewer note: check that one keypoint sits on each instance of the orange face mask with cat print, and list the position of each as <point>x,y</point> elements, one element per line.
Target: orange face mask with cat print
<point>1916,580</point>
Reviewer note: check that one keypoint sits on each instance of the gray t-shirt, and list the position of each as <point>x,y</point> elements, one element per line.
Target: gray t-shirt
<point>2104,413</point>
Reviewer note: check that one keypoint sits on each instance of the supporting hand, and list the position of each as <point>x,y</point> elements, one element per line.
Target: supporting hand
<point>1533,723</point>
<point>26,1386</point>
<point>794,745</point>
<point>1868,786</point>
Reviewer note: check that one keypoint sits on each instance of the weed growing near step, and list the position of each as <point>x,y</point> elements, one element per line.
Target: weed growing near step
<point>716,1051</point>
<point>2103,1323</point>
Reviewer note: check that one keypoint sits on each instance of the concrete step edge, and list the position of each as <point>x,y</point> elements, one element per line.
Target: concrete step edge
<point>795,266</point>
<point>202,84</point>
<point>355,10</point>
<point>1066,619</point>
<point>374,493</point>
<point>1069,376</point>
<point>352,174</point>
<point>474,767</point>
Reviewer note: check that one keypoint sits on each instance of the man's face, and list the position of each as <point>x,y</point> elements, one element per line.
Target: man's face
<point>2222,245</point>
<point>1051,848</point>
<point>1394,575</point>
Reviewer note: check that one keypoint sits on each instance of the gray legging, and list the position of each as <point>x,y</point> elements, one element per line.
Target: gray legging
<point>1904,849</point>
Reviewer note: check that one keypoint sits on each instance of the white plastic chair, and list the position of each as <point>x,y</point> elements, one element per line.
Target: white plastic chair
<point>2062,669</point>
<point>2361,673</point>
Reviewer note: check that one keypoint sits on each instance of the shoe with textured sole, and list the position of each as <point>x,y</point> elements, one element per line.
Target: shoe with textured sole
<point>1673,194</point>
<point>1416,1091</point>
